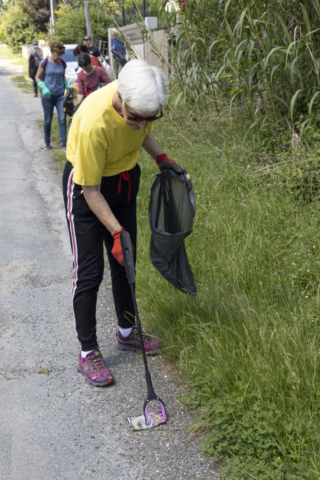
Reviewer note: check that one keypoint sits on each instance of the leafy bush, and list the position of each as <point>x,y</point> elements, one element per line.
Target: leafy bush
<point>262,56</point>
<point>16,28</point>
<point>70,26</point>
<point>38,13</point>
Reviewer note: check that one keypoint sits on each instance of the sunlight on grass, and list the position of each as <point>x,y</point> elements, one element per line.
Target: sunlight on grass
<point>22,83</point>
<point>248,345</point>
<point>21,61</point>
<point>6,53</point>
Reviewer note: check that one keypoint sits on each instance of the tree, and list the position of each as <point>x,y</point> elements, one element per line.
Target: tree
<point>37,12</point>
<point>16,28</point>
<point>70,26</point>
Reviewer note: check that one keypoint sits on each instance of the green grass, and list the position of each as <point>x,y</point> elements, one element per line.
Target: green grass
<point>58,156</point>
<point>22,83</point>
<point>21,61</point>
<point>249,343</point>
<point>6,53</point>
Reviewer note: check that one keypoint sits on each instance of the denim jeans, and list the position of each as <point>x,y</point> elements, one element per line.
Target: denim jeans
<point>48,104</point>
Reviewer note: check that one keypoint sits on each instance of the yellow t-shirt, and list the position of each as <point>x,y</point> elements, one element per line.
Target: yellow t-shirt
<point>100,144</point>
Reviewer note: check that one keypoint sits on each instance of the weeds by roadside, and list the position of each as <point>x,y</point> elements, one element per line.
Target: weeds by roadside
<point>6,53</point>
<point>22,83</point>
<point>248,345</point>
<point>58,156</point>
<point>21,61</point>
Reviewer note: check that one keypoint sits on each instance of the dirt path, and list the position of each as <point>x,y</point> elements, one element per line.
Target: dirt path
<point>53,425</point>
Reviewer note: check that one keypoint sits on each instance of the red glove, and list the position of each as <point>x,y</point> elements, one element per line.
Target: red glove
<point>117,250</point>
<point>164,162</point>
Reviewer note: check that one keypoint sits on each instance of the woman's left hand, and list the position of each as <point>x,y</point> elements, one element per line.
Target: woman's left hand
<point>164,162</point>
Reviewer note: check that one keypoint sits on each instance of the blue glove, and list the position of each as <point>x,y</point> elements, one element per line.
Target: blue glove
<point>66,84</point>
<point>45,90</point>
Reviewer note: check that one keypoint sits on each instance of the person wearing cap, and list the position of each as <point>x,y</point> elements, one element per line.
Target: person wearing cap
<point>36,54</point>
<point>92,50</point>
<point>100,187</point>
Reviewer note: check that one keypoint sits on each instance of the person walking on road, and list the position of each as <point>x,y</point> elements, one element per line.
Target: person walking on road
<point>117,46</point>
<point>100,186</point>
<point>92,50</point>
<point>35,55</point>
<point>51,80</point>
<point>90,77</point>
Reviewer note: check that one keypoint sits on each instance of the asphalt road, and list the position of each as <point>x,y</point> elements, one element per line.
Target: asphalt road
<point>53,425</point>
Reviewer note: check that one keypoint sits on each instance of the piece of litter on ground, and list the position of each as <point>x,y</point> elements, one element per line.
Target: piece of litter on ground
<point>139,423</point>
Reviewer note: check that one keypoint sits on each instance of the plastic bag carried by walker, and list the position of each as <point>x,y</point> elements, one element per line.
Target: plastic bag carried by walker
<point>171,212</point>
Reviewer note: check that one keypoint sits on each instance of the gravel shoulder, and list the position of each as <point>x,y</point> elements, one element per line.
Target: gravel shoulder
<point>54,425</point>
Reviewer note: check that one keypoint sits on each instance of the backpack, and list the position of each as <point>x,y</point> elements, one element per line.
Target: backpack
<point>46,63</point>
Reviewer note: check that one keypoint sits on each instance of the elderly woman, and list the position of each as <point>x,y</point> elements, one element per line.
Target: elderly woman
<point>100,185</point>
<point>51,80</point>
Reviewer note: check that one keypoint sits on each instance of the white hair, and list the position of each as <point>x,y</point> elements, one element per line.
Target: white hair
<point>142,87</point>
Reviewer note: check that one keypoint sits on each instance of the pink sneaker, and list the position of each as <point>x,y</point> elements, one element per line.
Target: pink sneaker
<point>132,342</point>
<point>94,369</point>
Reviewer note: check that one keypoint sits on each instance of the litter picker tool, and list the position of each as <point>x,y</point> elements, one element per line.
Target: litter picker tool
<point>147,420</point>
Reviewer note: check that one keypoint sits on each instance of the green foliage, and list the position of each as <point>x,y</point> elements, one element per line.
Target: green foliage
<point>70,25</point>
<point>263,57</point>
<point>249,343</point>
<point>16,28</point>
<point>38,13</point>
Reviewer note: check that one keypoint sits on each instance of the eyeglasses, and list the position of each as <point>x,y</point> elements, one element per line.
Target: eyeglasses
<point>136,118</point>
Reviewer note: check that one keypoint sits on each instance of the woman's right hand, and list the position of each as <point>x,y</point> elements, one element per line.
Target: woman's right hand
<point>45,90</point>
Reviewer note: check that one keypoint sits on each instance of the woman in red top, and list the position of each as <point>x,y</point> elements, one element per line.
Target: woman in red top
<point>90,77</point>
<point>84,49</point>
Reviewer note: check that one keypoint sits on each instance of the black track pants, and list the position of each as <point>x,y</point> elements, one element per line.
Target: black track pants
<point>87,235</point>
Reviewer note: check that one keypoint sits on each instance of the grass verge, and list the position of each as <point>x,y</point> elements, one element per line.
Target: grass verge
<point>249,343</point>
<point>22,83</point>
<point>6,53</point>
<point>21,61</point>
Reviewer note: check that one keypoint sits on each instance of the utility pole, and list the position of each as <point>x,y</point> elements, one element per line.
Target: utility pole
<point>52,7</point>
<point>88,18</point>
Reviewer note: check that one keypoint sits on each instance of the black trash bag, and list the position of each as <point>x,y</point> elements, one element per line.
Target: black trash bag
<point>171,212</point>
<point>68,102</point>
<point>119,58</point>
<point>32,67</point>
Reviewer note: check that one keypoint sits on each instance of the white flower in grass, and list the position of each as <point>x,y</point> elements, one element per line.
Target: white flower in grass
<point>306,296</point>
